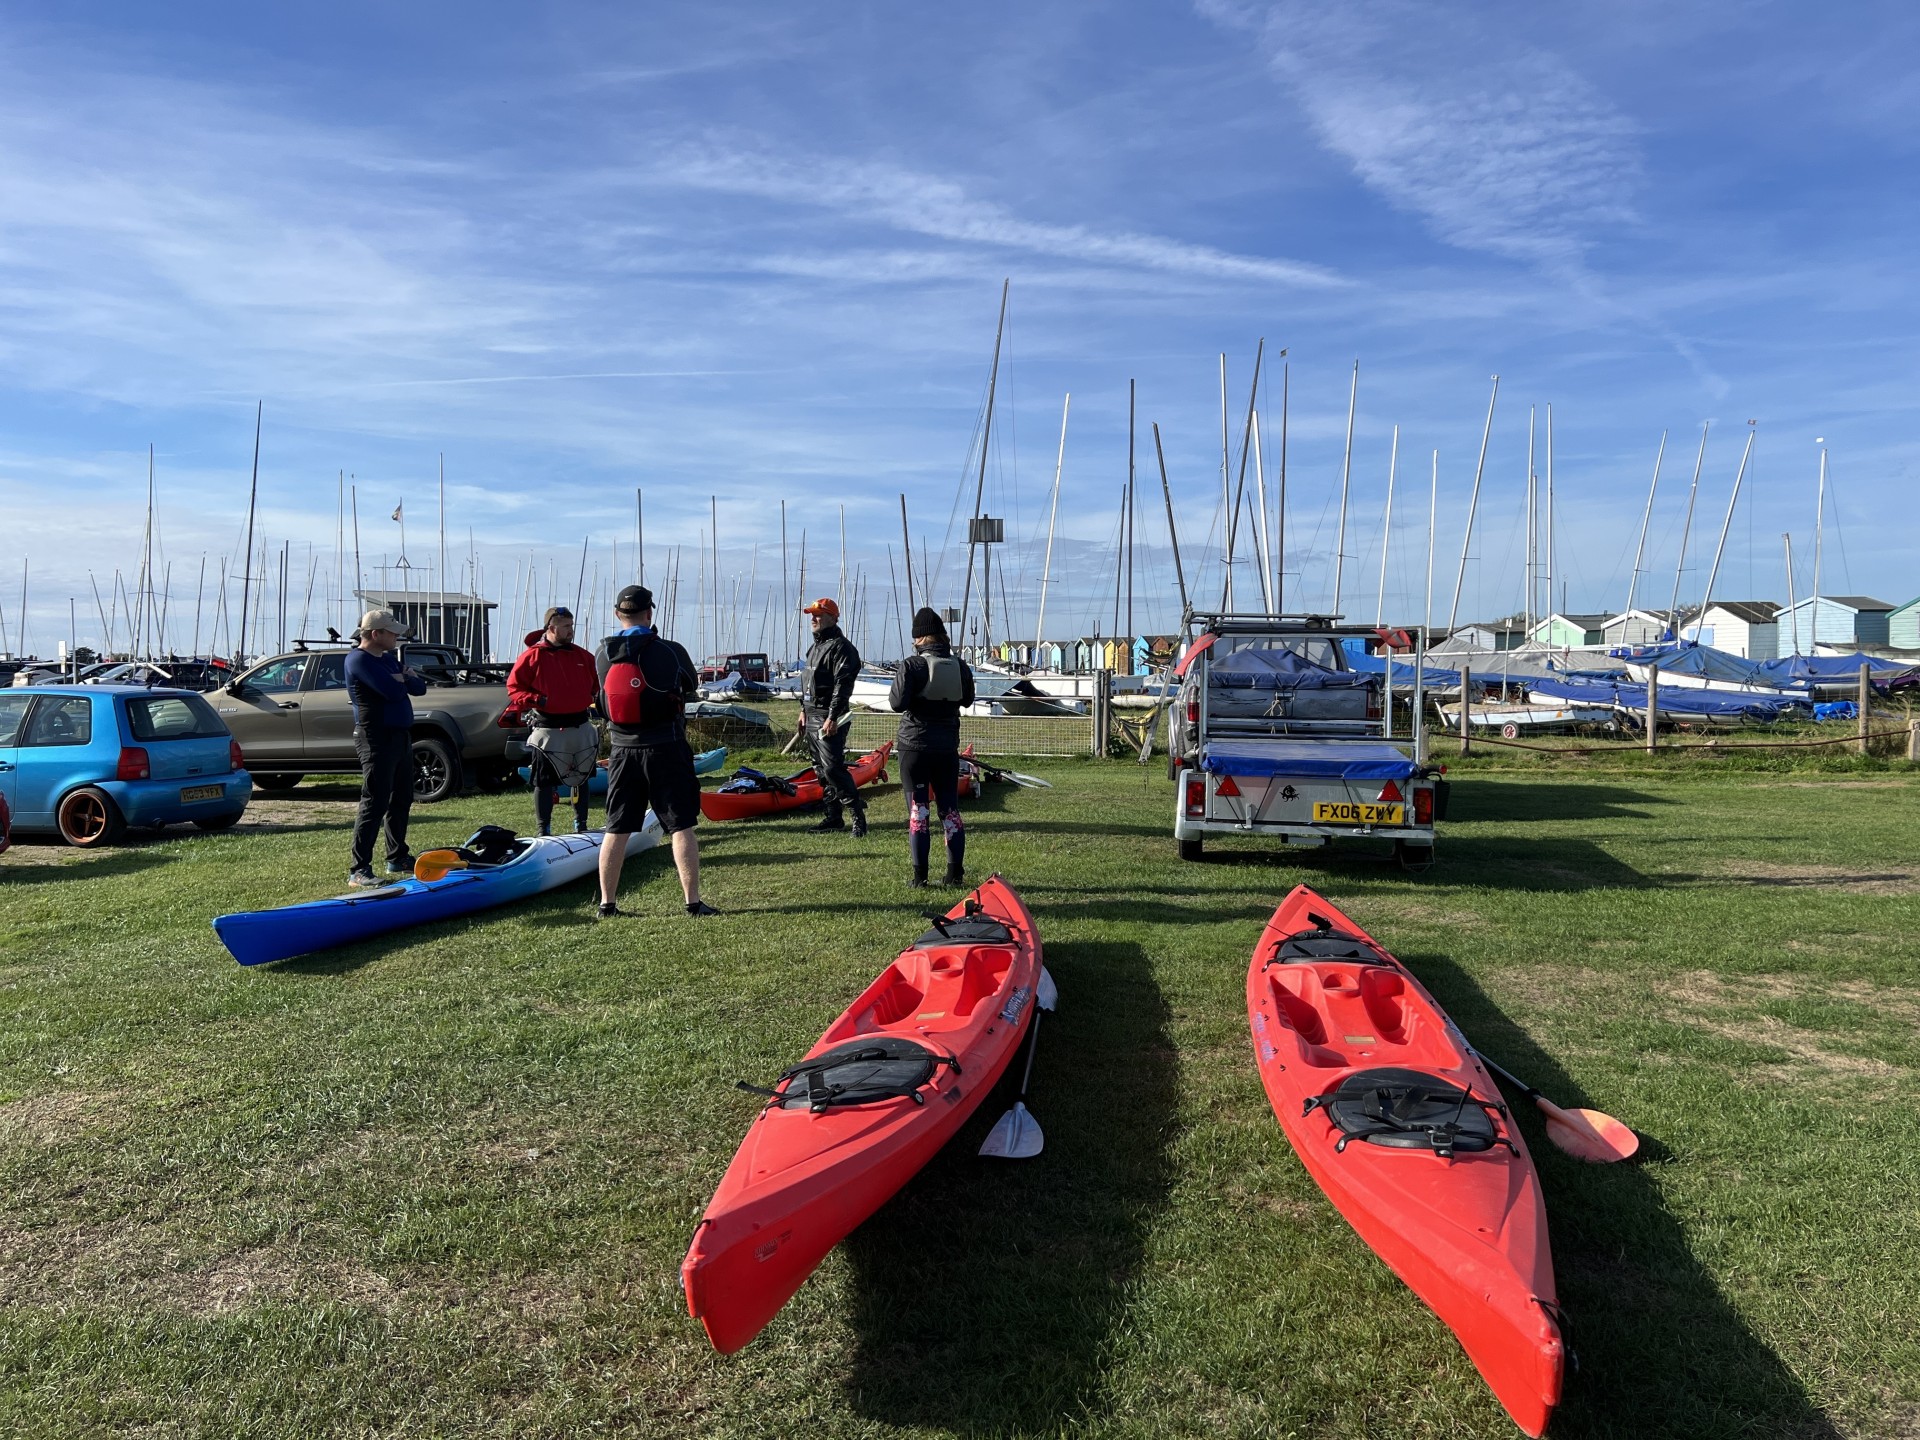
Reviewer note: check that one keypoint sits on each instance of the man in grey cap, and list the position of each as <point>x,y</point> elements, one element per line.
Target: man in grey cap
<point>381,690</point>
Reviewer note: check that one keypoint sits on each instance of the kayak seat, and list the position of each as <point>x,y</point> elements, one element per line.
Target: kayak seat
<point>490,845</point>
<point>968,930</point>
<point>1409,1110</point>
<point>1308,946</point>
<point>861,1072</point>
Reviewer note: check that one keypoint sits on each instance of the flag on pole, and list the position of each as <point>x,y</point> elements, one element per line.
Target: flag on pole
<point>398,508</point>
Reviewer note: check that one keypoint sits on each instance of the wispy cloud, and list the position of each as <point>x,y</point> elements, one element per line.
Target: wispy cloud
<point>931,205</point>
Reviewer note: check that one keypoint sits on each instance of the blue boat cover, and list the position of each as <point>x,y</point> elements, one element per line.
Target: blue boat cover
<point>1803,670</point>
<point>1317,760</point>
<point>1679,700</point>
<point>1279,669</point>
<point>1434,676</point>
<point>1701,661</point>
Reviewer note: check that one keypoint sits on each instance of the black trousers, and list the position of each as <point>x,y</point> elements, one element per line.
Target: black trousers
<point>386,793</point>
<point>830,764</point>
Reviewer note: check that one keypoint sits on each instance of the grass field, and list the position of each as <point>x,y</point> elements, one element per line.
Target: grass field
<point>441,1184</point>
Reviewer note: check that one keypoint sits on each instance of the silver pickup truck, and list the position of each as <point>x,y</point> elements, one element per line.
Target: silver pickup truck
<point>1274,733</point>
<point>292,718</point>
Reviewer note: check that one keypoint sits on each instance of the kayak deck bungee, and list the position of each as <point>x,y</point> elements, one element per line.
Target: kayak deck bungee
<point>705,763</point>
<point>540,863</point>
<point>885,1087</point>
<point>770,795</point>
<point>1399,1123</point>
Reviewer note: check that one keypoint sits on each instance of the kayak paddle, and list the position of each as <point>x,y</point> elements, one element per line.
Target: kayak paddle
<point>431,865</point>
<point>1590,1135</point>
<point>1027,782</point>
<point>1016,1135</point>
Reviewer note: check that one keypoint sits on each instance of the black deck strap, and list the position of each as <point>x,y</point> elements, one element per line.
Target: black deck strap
<point>977,929</point>
<point>1325,943</point>
<point>1410,1110</point>
<point>862,1072</point>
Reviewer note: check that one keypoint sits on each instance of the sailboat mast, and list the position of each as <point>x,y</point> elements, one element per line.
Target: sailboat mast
<point>1552,559</point>
<point>253,497</point>
<point>1686,527</point>
<point>1173,532</point>
<point>1638,550</point>
<point>1386,531</point>
<point>1713,575</point>
<point>1791,607</point>
<point>1280,557</point>
<point>1473,504</point>
<point>1053,513</point>
<point>1130,509</point>
<point>1346,475</point>
<point>1433,518</point>
<point>986,436</point>
<point>1819,535</point>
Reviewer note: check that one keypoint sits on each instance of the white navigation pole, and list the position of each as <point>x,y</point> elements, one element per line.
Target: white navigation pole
<point>1473,504</point>
<point>1046,570</point>
<point>1386,532</point>
<point>1346,475</point>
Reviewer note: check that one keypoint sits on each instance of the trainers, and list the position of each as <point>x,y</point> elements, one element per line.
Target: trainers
<point>362,879</point>
<point>402,866</point>
<point>700,907</point>
<point>610,910</point>
<point>827,826</point>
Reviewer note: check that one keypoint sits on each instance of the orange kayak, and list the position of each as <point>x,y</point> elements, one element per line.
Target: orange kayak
<point>724,804</point>
<point>1398,1121</point>
<point>887,1085</point>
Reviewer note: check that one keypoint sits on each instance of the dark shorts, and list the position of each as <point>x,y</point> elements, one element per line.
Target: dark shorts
<point>660,776</point>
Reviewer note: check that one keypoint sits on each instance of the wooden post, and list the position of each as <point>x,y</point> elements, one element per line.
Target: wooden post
<point>1653,708</point>
<point>1466,709</point>
<point>1913,742</point>
<point>1102,713</point>
<point>1865,697</point>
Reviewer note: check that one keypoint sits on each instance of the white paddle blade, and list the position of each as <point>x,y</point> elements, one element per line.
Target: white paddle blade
<point>1015,1136</point>
<point>1031,782</point>
<point>1048,993</point>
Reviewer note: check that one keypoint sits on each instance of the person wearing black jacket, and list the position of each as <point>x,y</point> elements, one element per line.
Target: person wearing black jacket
<point>826,697</point>
<point>930,689</point>
<point>645,682</point>
<point>380,689</point>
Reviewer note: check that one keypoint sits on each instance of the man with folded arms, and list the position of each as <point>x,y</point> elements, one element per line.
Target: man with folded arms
<point>381,692</point>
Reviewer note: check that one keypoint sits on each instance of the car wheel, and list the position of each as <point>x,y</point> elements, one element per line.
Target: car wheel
<point>277,782</point>
<point>214,823</point>
<point>88,818</point>
<point>1190,849</point>
<point>436,769</point>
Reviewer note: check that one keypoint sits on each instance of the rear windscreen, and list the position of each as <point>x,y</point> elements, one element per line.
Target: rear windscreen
<point>173,717</point>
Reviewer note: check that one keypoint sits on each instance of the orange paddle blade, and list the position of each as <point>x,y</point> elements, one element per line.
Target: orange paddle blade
<point>1590,1135</point>
<point>434,864</point>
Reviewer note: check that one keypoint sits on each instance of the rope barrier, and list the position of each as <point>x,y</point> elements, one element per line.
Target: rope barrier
<point>1640,746</point>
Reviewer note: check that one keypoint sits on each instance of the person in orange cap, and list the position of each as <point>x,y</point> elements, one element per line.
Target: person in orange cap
<point>826,700</point>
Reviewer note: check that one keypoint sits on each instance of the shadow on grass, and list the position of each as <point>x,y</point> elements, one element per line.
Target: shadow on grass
<point>1661,1351</point>
<point>1557,864</point>
<point>17,869</point>
<point>987,1291</point>
<point>1518,802</point>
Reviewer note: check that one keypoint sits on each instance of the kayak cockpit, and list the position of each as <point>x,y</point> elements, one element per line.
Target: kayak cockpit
<point>928,989</point>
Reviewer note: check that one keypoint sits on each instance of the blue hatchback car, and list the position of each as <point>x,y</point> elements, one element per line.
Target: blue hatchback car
<point>87,761</point>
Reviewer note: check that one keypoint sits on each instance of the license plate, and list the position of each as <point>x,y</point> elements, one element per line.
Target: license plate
<point>1347,812</point>
<point>202,792</point>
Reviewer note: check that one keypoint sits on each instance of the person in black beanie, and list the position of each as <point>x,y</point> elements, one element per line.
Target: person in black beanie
<point>930,689</point>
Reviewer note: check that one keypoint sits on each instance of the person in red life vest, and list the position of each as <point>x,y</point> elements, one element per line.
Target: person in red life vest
<point>555,684</point>
<point>645,681</point>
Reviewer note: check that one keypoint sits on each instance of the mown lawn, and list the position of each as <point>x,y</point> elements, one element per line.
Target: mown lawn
<point>441,1184</point>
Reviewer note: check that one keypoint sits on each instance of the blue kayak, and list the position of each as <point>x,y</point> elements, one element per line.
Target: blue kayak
<point>539,863</point>
<point>705,763</point>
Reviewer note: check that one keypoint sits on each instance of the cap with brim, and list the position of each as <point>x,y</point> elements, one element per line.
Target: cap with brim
<point>633,599</point>
<point>381,620</point>
<point>822,606</point>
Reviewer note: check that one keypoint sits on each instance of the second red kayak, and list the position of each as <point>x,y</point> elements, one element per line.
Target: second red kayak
<point>887,1085</point>
<point>793,793</point>
<point>1395,1117</point>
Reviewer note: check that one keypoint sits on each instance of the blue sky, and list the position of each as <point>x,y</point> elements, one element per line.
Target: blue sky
<point>755,252</point>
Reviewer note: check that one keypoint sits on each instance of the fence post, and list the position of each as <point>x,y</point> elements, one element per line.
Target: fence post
<point>1102,713</point>
<point>1865,696</point>
<point>1466,709</point>
<point>1913,741</point>
<point>1653,707</point>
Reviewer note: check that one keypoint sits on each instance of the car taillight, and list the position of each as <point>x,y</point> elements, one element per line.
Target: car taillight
<point>1374,708</point>
<point>133,765</point>
<point>1193,710</point>
<point>1196,795</point>
<point>236,758</point>
<point>1423,806</point>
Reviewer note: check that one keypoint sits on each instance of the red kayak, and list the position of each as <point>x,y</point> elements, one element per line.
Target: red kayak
<point>792,793</point>
<point>1401,1125</point>
<point>970,777</point>
<point>887,1085</point>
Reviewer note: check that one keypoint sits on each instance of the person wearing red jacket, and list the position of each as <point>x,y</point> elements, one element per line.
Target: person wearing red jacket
<point>553,682</point>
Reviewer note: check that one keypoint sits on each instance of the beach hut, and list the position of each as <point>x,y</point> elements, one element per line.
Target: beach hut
<point>1843,622</point>
<point>1493,635</point>
<point>1903,626</point>
<point>1571,632</point>
<point>1634,627</point>
<point>1747,628</point>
